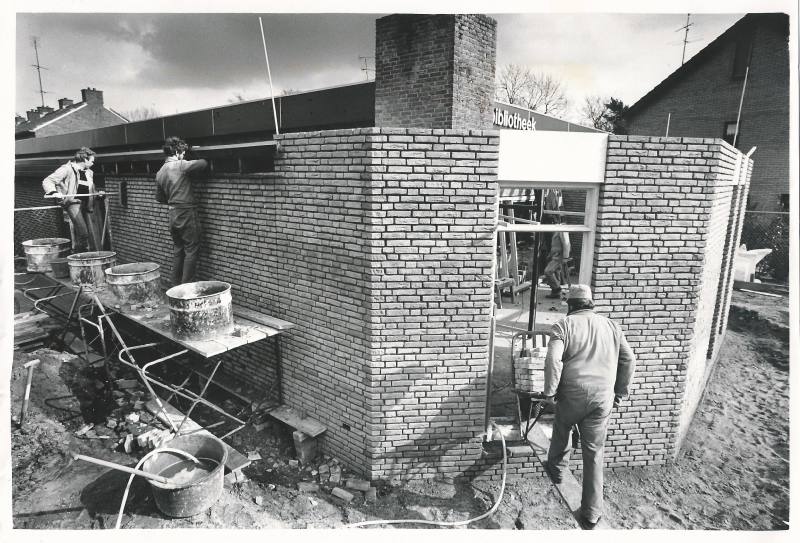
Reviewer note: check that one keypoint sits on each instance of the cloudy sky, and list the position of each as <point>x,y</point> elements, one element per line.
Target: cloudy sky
<point>189,61</point>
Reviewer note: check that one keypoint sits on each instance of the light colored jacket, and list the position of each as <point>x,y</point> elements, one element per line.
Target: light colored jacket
<point>65,180</point>
<point>587,349</point>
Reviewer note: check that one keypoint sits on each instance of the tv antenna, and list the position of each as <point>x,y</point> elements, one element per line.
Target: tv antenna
<point>366,66</point>
<point>686,39</point>
<point>35,42</point>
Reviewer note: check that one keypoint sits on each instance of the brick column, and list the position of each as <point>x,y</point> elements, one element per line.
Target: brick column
<point>435,71</point>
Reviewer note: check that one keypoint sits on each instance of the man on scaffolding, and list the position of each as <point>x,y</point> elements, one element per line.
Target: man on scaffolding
<point>73,185</point>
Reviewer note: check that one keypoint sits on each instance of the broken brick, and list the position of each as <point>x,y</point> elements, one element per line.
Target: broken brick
<point>342,494</point>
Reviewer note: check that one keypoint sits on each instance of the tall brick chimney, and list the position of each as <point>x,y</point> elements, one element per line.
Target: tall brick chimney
<point>92,96</point>
<point>32,115</point>
<point>435,71</point>
<point>64,102</point>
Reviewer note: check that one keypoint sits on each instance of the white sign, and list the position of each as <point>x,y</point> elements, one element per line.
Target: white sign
<point>570,157</point>
<point>502,117</point>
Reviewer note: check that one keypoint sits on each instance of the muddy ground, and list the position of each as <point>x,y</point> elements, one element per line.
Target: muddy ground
<point>732,474</point>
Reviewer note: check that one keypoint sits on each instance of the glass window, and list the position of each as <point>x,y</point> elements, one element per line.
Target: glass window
<point>785,203</point>
<point>730,133</point>
<point>741,59</point>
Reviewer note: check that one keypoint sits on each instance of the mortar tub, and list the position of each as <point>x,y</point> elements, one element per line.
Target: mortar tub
<point>87,270</point>
<point>200,311</point>
<point>60,267</point>
<point>202,487</point>
<point>39,253</point>
<point>135,283</point>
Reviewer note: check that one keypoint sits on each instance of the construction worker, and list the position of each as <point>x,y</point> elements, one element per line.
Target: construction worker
<point>559,253</point>
<point>74,178</point>
<point>588,370</point>
<point>174,188</point>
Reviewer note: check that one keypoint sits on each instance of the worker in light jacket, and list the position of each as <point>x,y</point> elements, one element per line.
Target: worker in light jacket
<point>174,188</point>
<point>76,178</point>
<point>559,254</point>
<point>588,370</point>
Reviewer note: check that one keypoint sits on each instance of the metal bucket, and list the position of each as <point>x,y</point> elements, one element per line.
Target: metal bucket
<point>60,267</point>
<point>200,311</point>
<point>198,494</point>
<point>87,269</point>
<point>135,283</point>
<point>41,252</point>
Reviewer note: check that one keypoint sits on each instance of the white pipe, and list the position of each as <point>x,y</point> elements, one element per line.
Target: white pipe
<point>271,90</point>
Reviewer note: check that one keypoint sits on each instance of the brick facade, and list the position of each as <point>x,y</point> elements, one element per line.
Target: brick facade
<point>704,98</point>
<point>661,241</point>
<point>435,71</point>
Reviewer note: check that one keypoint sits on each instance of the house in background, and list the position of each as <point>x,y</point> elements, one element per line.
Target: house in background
<point>69,117</point>
<point>701,99</point>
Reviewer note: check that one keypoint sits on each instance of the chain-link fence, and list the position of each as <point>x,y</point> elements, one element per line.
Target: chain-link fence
<point>768,230</point>
<point>35,223</point>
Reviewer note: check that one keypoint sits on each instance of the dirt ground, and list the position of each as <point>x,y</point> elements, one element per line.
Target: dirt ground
<point>732,474</point>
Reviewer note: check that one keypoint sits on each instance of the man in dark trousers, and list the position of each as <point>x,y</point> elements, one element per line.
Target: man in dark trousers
<point>588,371</point>
<point>71,179</point>
<point>174,188</point>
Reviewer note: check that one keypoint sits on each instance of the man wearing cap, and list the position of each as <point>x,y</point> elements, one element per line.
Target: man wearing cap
<point>588,371</point>
<point>174,188</point>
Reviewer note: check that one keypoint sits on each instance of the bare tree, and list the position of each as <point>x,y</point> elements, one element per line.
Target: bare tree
<point>238,97</point>
<point>548,94</point>
<point>512,84</point>
<point>540,91</point>
<point>594,110</point>
<point>141,113</point>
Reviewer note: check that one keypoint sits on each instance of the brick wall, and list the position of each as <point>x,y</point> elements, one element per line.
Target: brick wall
<point>435,202</point>
<point>705,98</point>
<point>33,224</point>
<point>661,240</point>
<point>434,71</point>
<point>367,240</point>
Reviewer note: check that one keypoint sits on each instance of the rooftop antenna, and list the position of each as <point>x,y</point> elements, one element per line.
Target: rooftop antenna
<point>685,36</point>
<point>35,42</point>
<point>366,66</point>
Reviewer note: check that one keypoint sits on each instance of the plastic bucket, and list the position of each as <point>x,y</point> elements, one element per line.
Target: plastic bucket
<point>135,283</point>
<point>200,311</point>
<point>199,493</point>
<point>39,253</point>
<point>87,270</point>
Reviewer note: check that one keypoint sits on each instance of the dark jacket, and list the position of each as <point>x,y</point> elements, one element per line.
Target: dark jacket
<point>172,182</point>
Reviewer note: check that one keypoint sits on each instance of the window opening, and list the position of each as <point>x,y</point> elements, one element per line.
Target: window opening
<point>784,203</point>
<point>730,133</point>
<point>741,58</point>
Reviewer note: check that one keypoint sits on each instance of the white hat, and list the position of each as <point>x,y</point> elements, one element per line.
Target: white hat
<point>580,292</point>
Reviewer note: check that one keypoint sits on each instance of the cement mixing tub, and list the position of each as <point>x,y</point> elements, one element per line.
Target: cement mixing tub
<point>192,488</point>
<point>41,252</point>
<point>135,283</point>
<point>87,270</point>
<point>200,311</point>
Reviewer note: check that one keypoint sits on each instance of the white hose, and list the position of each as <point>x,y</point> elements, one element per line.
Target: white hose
<point>441,523</point>
<point>145,457</point>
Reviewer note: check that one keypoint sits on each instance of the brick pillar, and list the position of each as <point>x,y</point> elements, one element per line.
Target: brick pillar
<point>435,71</point>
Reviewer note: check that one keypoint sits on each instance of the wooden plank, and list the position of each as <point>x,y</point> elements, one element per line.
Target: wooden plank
<point>569,489</point>
<point>236,460</point>
<point>587,247</point>
<point>294,418</point>
<point>261,318</point>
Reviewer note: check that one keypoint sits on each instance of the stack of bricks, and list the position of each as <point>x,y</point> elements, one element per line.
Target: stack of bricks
<point>661,240</point>
<point>435,71</point>
<point>529,371</point>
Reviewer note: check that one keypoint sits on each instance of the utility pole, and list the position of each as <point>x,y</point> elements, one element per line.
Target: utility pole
<point>685,36</point>
<point>366,66</point>
<point>39,68</point>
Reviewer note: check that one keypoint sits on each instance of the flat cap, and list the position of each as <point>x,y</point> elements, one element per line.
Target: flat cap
<point>580,292</point>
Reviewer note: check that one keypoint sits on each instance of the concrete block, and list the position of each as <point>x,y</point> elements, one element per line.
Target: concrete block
<point>343,494</point>
<point>304,486</point>
<point>305,447</point>
<point>358,484</point>
<point>372,495</point>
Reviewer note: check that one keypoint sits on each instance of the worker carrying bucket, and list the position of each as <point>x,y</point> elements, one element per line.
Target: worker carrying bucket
<point>174,188</point>
<point>73,186</point>
<point>588,370</point>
